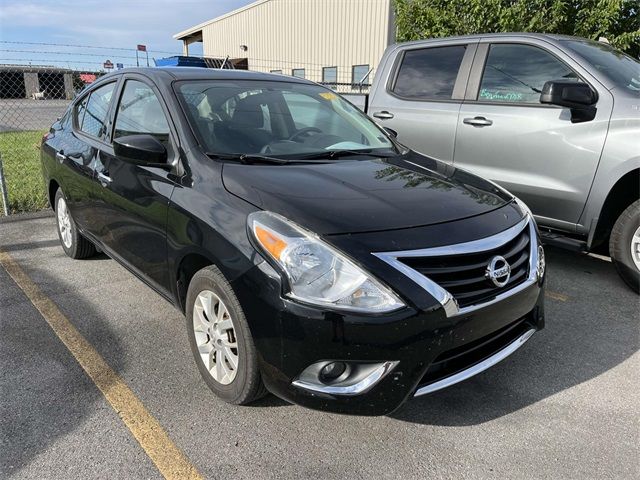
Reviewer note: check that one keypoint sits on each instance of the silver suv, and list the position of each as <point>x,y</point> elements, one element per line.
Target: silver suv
<point>554,119</point>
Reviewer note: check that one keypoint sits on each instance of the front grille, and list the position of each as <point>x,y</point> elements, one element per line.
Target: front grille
<point>461,358</point>
<point>463,275</point>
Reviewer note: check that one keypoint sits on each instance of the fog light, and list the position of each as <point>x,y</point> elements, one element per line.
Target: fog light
<point>332,371</point>
<point>342,378</point>
<point>541,263</point>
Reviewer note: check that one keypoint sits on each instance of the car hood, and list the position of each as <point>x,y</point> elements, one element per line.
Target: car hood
<point>353,196</point>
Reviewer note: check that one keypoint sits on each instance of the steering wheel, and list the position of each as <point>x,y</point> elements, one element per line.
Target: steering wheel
<point>304,131</point>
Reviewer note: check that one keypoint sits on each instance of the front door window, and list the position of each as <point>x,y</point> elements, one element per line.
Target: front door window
<point>516,73</point>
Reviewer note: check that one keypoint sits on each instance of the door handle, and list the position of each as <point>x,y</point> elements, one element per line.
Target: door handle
<point>61,157</point>
<point>478,122</point>
<point>104,179</point>
<point>383,115</point>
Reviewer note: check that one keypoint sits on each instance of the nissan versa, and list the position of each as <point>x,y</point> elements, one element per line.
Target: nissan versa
<point>313,256</point>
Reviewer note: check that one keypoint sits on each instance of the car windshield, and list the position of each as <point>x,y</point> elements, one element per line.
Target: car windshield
<point>620,68</point>
<point>279,119</point>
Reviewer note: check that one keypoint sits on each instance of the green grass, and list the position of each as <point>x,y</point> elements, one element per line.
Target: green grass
<point>21,164</point>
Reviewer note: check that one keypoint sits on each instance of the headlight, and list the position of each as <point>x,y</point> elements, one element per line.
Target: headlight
<point>317,273</point>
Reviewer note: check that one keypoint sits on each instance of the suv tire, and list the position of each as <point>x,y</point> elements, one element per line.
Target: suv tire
<point>624,244</point>
<point>219,335</point>
<point>73,242</point>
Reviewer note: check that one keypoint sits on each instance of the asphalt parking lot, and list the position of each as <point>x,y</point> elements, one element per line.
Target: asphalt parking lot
<point>26,114</point>
<point>566,405</point>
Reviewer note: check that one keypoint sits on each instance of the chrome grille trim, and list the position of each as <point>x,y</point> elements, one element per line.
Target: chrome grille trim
<point>477,368</point>
<point>444,297</point>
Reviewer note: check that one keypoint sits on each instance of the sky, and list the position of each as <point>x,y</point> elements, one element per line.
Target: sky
<point>109,24</point>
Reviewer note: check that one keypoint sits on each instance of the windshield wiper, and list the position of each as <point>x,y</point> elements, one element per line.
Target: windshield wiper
<point>331,154</point>
<point>320,157</point>
<point>249,158</point>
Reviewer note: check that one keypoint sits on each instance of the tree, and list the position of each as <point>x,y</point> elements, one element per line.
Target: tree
<point>616,20</point>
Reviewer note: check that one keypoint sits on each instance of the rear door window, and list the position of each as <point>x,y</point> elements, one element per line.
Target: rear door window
<point>92,113</point>
<point>429,73</point>
<point>516,73</point>
<point>140,112</point>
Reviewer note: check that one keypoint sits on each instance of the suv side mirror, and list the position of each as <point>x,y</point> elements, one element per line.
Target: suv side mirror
<point>141,150</point>
<point>577,96</point>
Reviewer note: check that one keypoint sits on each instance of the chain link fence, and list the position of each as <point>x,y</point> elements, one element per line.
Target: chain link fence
<point>33,97</point>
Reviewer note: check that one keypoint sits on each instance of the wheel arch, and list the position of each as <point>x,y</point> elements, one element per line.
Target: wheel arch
<point>623,193</point>
<point>190,263</point>
<point>51,192</point>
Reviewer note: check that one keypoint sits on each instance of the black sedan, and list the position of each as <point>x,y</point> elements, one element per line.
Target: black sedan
<point>313,255</point>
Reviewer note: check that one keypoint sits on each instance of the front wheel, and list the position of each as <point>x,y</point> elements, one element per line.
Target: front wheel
<point>72,241</point>
<point>220,339</point>
<point>624,245</point>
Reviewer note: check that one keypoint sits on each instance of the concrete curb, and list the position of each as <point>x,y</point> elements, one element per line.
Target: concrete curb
<point>27,216</point>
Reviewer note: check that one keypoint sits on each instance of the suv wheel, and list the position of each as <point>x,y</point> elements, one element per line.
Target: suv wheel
<point>624,245</point>
<point>220,339</point>
<point>72,241</point>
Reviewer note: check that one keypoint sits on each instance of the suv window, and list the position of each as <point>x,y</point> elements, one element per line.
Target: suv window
<point>517,73</point>
<point>429,73</point>
<point>140,112</point>
<point>92,112</point>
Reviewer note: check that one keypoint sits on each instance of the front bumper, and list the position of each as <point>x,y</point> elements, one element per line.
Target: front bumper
<point>430,348</point>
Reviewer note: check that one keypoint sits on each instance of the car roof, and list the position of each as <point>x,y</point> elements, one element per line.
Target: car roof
<point>198,73</point>
<point>541,36</point>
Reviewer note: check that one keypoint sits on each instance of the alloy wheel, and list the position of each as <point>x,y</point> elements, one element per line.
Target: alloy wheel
<point>215,337</point>
<point>64,222</point>
<point>635,248</point>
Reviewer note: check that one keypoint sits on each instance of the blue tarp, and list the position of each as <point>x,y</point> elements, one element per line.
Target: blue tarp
<point>181,61</point>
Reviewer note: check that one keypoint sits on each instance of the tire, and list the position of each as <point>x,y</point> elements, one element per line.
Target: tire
<point>72,241</point>
<point>208,297</point>
<point>625,236</point>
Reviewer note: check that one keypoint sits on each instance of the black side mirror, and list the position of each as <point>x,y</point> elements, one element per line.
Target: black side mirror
<point>141,150</point>
<point>577,96</point>
<point>391,132</point>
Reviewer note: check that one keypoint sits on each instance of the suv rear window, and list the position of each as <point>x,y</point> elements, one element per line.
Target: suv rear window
<point>429,73</point>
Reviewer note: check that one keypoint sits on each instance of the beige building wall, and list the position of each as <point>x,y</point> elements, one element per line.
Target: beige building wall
<point>309,34</point>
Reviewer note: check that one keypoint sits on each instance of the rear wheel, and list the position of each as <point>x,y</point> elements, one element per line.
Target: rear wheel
<point>624,245</point>
<point>72,241</point>
<point>220,339</point>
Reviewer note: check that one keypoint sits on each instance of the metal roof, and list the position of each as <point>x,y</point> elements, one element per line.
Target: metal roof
<point>195,29</point>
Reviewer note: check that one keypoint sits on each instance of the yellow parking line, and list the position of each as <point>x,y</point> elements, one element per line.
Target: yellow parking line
<point>557,296</point>
<point>166,456</point>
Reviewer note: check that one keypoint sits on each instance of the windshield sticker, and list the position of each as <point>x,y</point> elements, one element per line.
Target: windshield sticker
<point>328,95</point>
<point>502,96</point>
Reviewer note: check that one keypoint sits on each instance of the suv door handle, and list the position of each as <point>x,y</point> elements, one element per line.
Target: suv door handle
<point>383,115</point>
<point>61,157</point>
<point>478,122</point>
<point>104,179</point>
